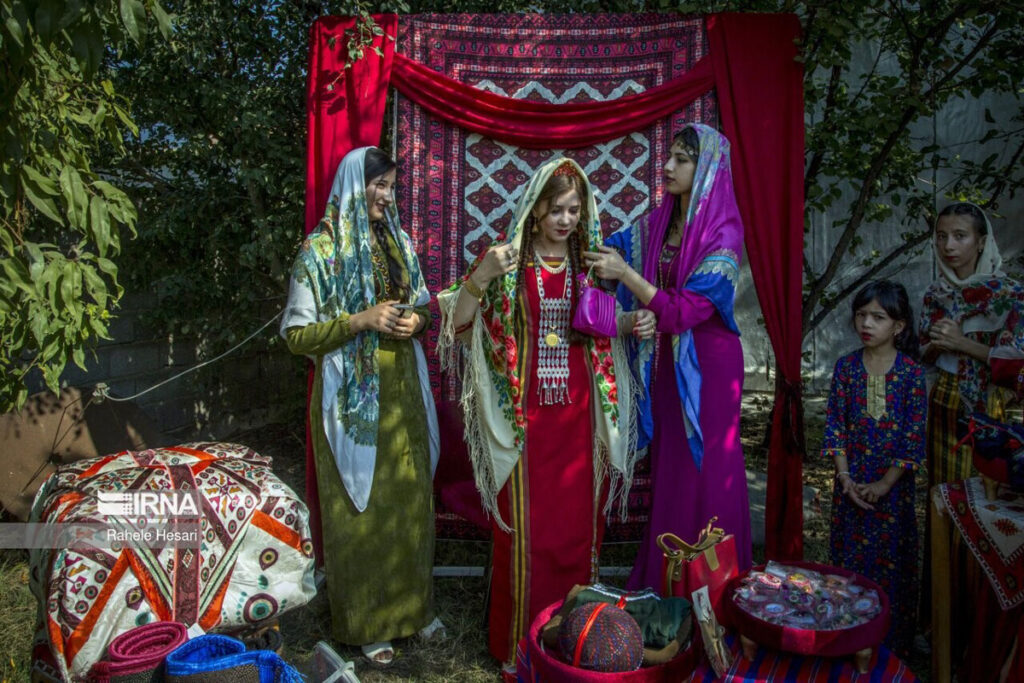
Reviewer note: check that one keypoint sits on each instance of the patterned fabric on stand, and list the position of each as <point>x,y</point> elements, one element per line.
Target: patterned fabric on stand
<point>255,561</point>
<point>994,532</point>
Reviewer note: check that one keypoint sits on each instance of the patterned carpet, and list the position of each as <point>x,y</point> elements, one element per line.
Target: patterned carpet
<point>457,190</point>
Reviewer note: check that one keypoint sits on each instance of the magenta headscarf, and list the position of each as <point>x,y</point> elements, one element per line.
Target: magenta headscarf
<point>712,221</point>
<point>708,264</point>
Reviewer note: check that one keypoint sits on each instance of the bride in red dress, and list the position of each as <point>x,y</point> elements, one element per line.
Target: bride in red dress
<point>548,410</point>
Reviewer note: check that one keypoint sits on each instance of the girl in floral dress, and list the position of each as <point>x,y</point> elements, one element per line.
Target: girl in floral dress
<point>875,434</point>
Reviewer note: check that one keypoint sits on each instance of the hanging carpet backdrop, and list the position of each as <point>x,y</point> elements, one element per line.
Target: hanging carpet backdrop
<point>482,100</point>
<point>458,189</point>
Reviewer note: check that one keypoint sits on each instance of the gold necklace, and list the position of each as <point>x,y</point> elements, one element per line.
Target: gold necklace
<point>667,256</point>
<point>543,264</point>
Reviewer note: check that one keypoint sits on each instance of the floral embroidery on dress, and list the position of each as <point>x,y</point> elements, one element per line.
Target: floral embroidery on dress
<point>994,310</point>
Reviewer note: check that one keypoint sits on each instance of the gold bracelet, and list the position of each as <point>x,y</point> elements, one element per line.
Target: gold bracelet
<point>473,290</point>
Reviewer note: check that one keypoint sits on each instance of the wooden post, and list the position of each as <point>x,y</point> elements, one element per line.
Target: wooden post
<point>941,608</point>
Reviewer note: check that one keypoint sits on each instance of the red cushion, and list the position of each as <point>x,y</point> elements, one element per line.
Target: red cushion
<point>993,468</point>
<point>548,668</point>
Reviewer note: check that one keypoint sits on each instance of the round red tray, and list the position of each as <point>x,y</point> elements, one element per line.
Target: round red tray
<point>837,643</point>
<point>546,667</point>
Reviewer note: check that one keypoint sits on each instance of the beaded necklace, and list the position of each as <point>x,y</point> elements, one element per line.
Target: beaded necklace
<point>553,336</point>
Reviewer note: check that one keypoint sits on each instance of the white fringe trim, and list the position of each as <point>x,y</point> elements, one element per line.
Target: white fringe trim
<point>629,390</point>
<point>471,367</point>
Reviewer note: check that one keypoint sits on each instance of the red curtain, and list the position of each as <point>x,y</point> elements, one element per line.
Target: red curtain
<point>760,96</point>
<point>344,106</point>
<point>542,125</point>
<point>761,104</point>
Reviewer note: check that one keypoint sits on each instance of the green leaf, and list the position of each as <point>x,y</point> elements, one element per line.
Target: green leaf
<point>18,275</point>
<point>95,287</point>
<point>75,196</point>
<point>99,224</point>
<point>46,13</point>
<point>107,266</point>
<point>42,183</point>
<point>112,193</point>
<point>15,31</point>
<point>163,21</point>
<point>37,195</point>
<point>6,241</point>
<point>128,18</point>
<point>126,119</point>
<point>36,260</point>
<point>87,45</point>
<point>67,284</point>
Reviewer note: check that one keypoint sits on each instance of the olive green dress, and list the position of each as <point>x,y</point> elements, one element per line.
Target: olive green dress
<point>379,562</point>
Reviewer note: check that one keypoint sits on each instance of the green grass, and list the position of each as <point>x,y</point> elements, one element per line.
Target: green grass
<point>17,616</point>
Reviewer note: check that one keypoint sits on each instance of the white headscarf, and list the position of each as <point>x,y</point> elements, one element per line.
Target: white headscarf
<point>990,261</point>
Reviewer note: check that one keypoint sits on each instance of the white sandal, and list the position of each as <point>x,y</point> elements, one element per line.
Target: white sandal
<point>381,653</point>
<point>435,630</point>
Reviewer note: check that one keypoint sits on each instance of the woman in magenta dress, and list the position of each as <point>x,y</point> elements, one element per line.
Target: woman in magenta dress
<point>681,262</point>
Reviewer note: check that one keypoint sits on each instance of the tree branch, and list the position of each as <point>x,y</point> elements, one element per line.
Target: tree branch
<point>1004,180</point>
<point>866,191</point>
<point>830,100</point>
<point>869,274</point>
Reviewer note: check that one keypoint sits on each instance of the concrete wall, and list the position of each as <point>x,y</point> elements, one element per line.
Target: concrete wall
<point>247,388</point>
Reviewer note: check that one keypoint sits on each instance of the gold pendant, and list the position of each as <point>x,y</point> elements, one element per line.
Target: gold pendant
<point>551,339</point>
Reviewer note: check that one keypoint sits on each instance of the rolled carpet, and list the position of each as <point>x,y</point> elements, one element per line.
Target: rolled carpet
<point>215,658</point>
<point>137,655</point>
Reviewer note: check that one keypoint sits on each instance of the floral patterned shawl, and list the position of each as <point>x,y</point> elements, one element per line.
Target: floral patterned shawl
<point>492,397</point>
<point>987,305</point>
<point>332,277</point>
<point>708,264</point>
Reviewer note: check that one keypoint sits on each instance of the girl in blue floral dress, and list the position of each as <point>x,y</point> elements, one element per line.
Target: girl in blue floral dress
<point>875,434</point>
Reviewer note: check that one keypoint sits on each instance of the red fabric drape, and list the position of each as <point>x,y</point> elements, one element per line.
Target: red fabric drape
<point>344,106</point>
<point>760,96</point>
<point>542,125</point>
<point>760,99</point>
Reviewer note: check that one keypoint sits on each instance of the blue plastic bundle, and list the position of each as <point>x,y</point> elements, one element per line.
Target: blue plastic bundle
<point>218,658</point>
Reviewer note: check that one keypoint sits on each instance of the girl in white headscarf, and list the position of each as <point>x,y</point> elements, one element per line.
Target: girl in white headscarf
<point>972,308</point>
<point>357,304</point>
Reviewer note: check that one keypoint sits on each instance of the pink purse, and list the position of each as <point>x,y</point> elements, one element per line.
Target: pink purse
<point>595,311</point>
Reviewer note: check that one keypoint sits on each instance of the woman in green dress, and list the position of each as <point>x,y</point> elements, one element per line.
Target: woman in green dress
<point>357,305</point>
